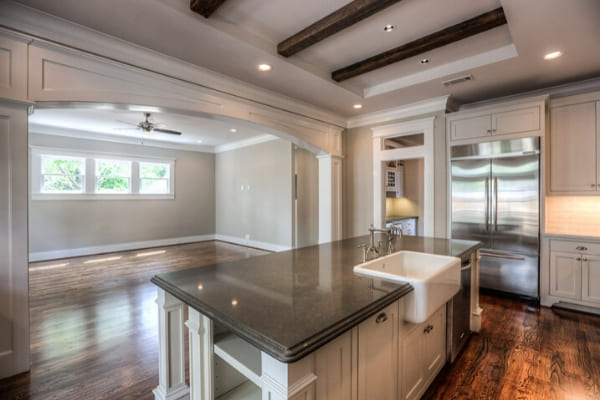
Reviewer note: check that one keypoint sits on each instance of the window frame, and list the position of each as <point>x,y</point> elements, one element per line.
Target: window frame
<point>168,178</point>
<point>82,174</point>
<point>129,177</point>
<point>90,179</point>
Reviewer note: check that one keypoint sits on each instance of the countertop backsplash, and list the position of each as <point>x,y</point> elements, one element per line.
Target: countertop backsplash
<point>573,215</point>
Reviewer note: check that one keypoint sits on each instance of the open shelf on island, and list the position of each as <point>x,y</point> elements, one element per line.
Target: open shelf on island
<point>240,355</point>
<point>245,391</point>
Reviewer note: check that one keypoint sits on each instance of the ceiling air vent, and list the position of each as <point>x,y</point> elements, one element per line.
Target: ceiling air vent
<point>460,79</point>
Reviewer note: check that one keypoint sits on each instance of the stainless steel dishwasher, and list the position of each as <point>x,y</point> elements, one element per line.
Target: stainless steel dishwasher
<point>459,312</point>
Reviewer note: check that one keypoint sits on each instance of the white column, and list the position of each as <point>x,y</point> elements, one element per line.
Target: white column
<point>201,356</point>
<point>171,356</point>
<point>330,198</point>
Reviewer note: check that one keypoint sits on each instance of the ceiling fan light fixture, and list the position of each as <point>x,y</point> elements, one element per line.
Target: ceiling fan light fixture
<point>389,28</point>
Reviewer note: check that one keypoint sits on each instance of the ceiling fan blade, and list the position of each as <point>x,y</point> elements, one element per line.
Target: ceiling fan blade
<point>167,131</point>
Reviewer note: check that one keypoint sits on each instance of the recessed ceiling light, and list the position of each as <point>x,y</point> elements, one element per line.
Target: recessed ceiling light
<point>425,61</point>
<point>233,130</point>
<point>357,106</point>
<point>198,141</point>
<point>388,28</point>
<point>264,67</point>
<point>553,55</point>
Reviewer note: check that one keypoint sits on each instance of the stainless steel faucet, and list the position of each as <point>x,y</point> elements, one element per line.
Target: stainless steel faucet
<point>392,233</point>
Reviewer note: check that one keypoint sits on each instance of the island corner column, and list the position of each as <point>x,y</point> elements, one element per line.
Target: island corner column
<point>171,355</point>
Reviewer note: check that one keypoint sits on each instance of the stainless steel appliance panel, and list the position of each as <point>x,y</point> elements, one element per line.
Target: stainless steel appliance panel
<point>470,200</point>
<point>515,204</point>
<point>459,312</point>
<point>509,273</point>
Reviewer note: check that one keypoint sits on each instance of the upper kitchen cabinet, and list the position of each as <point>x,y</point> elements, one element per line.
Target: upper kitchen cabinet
<point>513,119</point>
<point>13,66</point>
<point>574,146</point>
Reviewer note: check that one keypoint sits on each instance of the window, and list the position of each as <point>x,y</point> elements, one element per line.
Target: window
<point>113,176</point>
<point>154,178</point>
<point>58,174</point>
<point>62,174</point>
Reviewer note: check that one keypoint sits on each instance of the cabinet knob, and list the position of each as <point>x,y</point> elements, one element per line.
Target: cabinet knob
<point>578,259</point>
<point>428,329</point>
<point>584,259</point>
<point>593,185</point>
<point>381,318</point>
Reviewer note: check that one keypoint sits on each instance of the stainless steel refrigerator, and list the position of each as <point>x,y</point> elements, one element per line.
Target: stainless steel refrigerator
<point>495,200</point>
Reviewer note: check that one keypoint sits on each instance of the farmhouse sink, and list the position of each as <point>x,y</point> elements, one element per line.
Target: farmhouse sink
<point>435,279</point>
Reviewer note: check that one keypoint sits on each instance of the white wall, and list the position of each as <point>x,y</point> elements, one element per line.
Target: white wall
<point>57,225</point>
<point>254,195</point>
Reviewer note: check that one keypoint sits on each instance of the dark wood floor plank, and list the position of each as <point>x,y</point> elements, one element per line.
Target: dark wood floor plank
<point>94,336</point>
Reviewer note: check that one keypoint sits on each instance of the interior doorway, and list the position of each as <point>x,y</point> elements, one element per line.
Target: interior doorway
<point>405,194</point>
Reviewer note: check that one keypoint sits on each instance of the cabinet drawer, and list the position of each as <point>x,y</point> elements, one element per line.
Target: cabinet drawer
<point>575,247</point>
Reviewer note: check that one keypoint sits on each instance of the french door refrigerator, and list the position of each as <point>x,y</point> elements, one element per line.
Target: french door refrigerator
<point>495,200</point>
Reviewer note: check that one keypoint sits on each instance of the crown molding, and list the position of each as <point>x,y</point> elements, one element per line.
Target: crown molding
<point>244,143</point>
<point>436,104</point>
<point>39,26</point>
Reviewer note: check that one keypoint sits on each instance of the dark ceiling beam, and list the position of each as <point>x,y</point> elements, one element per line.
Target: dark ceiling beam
<point>205,7</point>
<point>336,21</point>
<point>454,33</point>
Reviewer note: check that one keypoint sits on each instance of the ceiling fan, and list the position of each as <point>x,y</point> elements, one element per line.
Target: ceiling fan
<point>150,127</point>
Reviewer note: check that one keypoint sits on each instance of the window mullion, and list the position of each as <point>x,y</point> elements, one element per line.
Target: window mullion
<point>135,177</point>
<point>90,175</point>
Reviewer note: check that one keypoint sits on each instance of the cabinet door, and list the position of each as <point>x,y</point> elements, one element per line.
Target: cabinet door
<point>434,344</point>
<point>377,355</point>
<point>516,121</point>
<point>412,376</point>
<point>573,148</point>
<point>334,369</point>
<point>13,68</point>
<point>591,278</point>
<point>565,275</point>
<point>473,127</point>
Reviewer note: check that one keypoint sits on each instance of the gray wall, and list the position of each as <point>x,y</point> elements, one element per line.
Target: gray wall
<point>358,177</point>
<point>264,212</point>
<point>58,225</point>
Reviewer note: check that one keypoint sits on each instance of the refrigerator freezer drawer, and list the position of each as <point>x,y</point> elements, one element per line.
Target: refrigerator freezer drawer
<point>516,274</point>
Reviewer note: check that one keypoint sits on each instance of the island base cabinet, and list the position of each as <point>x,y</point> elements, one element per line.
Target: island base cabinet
<point>377,355</point>
<point>422,354</point>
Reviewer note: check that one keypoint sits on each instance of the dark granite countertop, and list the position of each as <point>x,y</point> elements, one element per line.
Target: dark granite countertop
<point>288,304</point>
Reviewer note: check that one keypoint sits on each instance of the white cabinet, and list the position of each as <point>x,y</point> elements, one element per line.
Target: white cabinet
<point>574,155</point>
<point>13,67</point>
<point>422,354</point>
<point>500,121</point>
<point>333,366</point>
<point>378,355</point>
<point>575,270</point>
<point>394,180</point>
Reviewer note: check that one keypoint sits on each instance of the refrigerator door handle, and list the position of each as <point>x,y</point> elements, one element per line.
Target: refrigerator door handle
<point>495,200</point>
<point>487,204</point>
<point>496,255</point>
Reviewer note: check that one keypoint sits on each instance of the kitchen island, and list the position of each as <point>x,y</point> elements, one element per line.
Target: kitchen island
<point>271,326</point>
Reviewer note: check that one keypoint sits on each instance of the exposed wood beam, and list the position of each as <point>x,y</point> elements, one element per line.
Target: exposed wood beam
<point>331,24</point>
<point>205,7</point>
<point>441,38</point>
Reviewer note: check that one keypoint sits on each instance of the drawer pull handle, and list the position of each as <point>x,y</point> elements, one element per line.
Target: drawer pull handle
<point>381,318</point>
<point>584,259</point>
<point>428,329</point>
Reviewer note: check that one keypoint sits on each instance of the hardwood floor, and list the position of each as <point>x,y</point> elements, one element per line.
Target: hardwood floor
<point>525,352</point>
<point>94,336</point>
<point>94,323</point>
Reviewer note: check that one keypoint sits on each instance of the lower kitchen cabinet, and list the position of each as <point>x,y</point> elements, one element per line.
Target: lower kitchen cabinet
<point>422,354</point>
<point>575,271</point>
<point>378,355</point>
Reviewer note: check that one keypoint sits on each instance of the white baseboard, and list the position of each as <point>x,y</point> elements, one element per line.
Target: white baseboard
<point>109,248</point>
<point>252,243</point>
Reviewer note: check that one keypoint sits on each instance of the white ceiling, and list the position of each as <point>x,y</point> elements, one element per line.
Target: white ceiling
<point>90,122</point>
<point>244,33</point>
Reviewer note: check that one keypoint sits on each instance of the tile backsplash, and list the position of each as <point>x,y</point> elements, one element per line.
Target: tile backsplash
<point>573,215</point>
